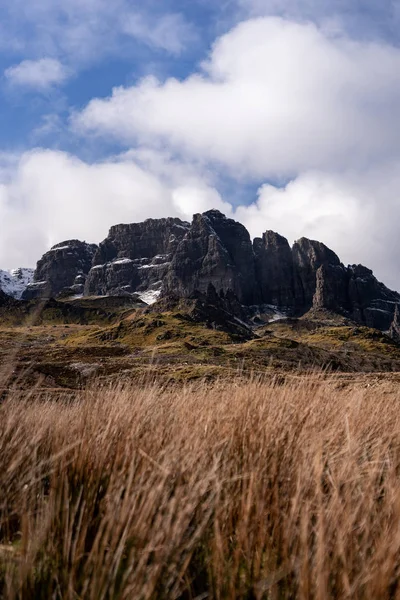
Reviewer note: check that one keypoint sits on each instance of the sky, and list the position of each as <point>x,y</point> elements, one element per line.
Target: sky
<point>283,114</point>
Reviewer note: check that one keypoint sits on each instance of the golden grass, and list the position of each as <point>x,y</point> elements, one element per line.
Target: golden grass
<point>242,489</point>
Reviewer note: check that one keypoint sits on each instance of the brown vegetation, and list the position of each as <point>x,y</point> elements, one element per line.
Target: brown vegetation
<point>287,488</point>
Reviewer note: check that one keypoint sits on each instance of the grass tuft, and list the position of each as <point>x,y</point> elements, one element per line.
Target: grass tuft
<point>279,488</point>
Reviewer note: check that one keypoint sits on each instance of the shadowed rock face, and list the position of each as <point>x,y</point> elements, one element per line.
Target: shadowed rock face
<point>274,269</point>
<point>215,257</point>
<point>135,257</point>
<point>308,256</point>
<point>371,301</point>
<point>216,251</point>
<point>332,288</point>
<point>141,240</point>
<point>59,268</point>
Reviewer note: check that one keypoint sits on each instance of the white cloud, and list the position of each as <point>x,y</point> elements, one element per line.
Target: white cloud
<point>40,74</point>
<point>169,32</point>
<point>275,98</point>
<point>360,18</point>
<point>50,196</point>
<point>355,214</point>
<point>83,32</point>
<point>47,197</point>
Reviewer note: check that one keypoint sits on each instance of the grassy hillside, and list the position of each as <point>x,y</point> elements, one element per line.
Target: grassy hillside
<point>65,344</point>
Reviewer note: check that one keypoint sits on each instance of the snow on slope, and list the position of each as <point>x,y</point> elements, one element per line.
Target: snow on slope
<point>14,282</point>
<point>149,296</point>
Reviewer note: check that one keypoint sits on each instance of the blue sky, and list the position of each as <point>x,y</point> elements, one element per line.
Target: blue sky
<point>285,114</point>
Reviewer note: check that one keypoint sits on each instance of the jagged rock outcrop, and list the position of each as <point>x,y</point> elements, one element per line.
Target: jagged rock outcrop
<point>214,257</point>
<point>216,251</point>
<point>65,265</point>
<point>274,269</point>
<point>135,257</point>
<point>308,256</point>
<point>127,276</point>
<point>153,237</point>
<point>332,288</point>
<point>371,301</point>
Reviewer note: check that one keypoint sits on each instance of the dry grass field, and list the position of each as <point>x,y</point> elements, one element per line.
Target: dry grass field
<point>275,488</point>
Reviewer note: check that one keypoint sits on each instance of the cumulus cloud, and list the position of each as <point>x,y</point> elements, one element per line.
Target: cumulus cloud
<point>47,197</point>
<point>355,214</point>
<point>40,74</point>
<point>274,98</point>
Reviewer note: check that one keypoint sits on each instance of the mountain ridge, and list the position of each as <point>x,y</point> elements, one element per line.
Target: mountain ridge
<point>170,257</point>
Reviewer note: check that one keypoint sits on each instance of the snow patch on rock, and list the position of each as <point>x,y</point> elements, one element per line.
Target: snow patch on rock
<point>149,296</point>
<point>14,282</point>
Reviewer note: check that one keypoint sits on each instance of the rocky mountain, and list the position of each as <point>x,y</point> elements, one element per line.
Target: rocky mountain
<point>14,282</point>
<point>214,257</point>
<point>135,258</point>
<point>216,251</point>
<point>62,270</point>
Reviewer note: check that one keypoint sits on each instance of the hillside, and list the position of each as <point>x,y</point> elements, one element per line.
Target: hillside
<point>68,342</point>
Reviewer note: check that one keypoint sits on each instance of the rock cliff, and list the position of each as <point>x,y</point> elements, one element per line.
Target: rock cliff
<point>214,256</point>
<point>64,266</point>
<point>274,268</point>
<point>135,257</point>
<point>216,251</point>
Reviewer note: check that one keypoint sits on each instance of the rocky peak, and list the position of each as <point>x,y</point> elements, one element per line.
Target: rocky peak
<point>58,268</point>
<point>310,253</point>
<point>331,289</point>
<point>141,240</point>
<point>308,256</point>
<point>14,282</point>
<point>134,258</point>
<point>216,251</point>
<point>371,301</point>
<point>274,269</point>
<point>200,259</point>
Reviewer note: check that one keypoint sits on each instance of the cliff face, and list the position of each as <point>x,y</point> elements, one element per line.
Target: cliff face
<point>216,251</point>
<point>64,266</point>
<point>135,257</point>
<point>151,238</point>
<point>274,268</point>
<point>215,256</point>
<point>370,300</point>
